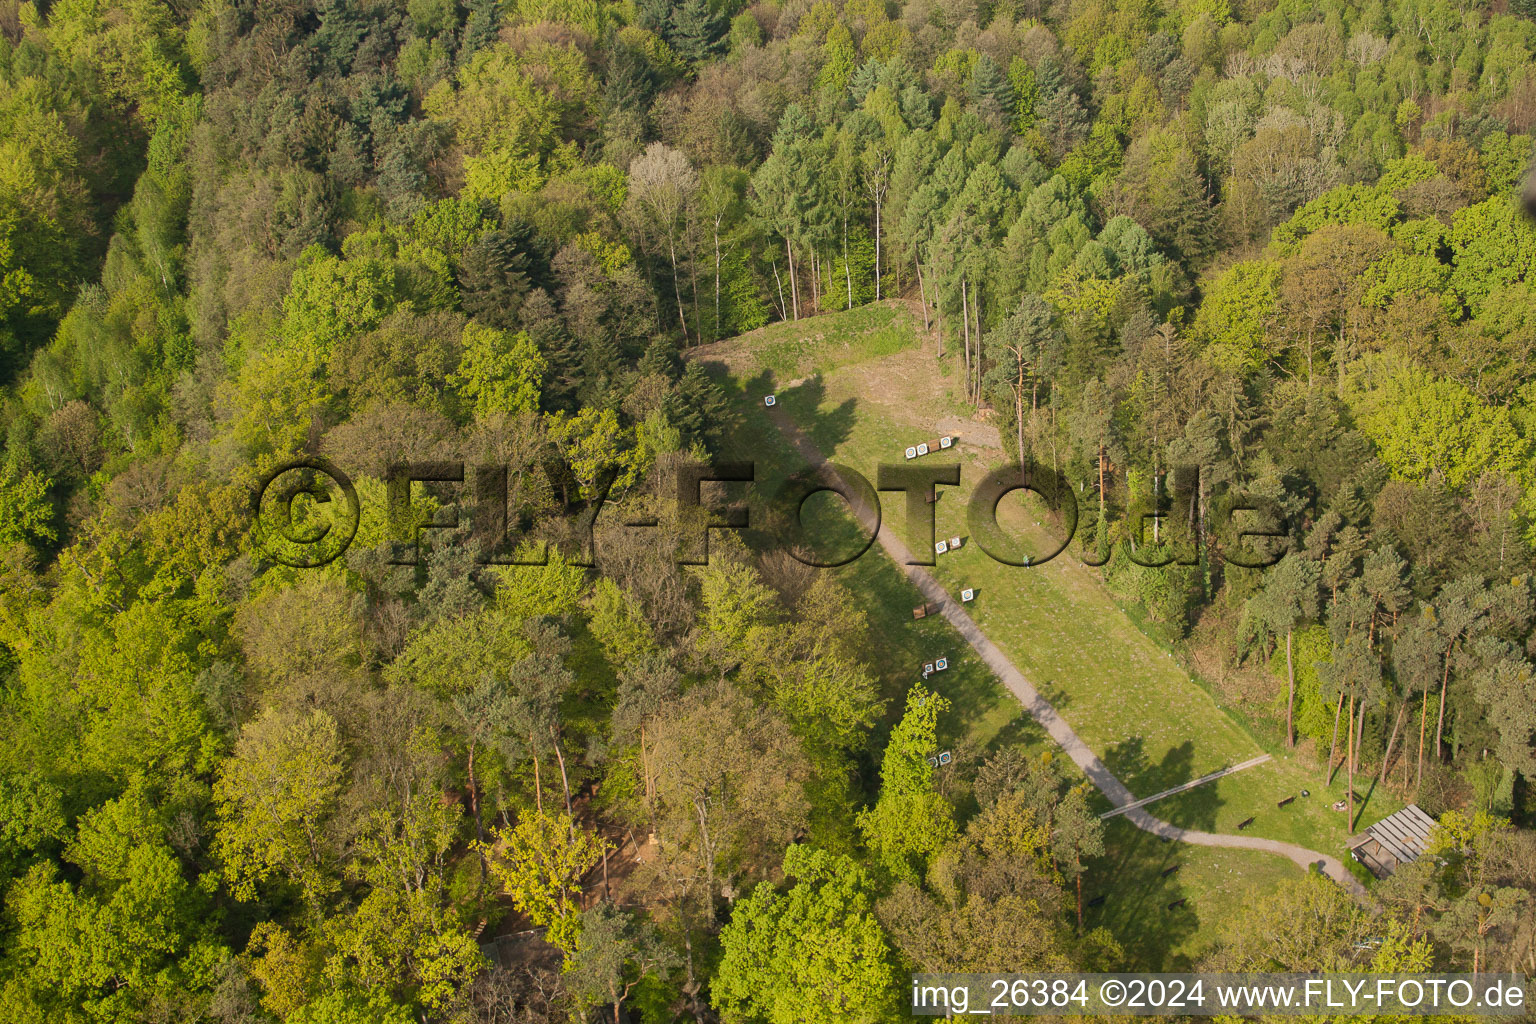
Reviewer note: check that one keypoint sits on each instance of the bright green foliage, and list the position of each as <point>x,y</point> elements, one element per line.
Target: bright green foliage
<point>274,797</point>
<point>1239,313</point>
<point>133,48</point>
<point>1493,246</point>
<point>133,932</point>
<point>1423,425</point>
<point>43,217</point>
<point>814,953</point>
<point>497,107</point>
<point>408,940</point>
<point>1400,273</point>
<point>351,1008</point>
<point>617,625</point>
<point>1353,204</point>
<point>745,32</point>
<point>815,681</point>
<point>841,58</point>
<point>88,710</point>
<point>550,590</point>
<point>500,373</point>
<point>1021,78</point>
<point>451,655</point>
<point>331,299</point>
<point>539,863</point>
<point>1314,715</point>
<point>596,445</point>
<point>1506,159</point>
<point>232,234</point>
<point>31,818</point>
<point>911,821</point>
<point>738,608</point>
<point>25,512</point>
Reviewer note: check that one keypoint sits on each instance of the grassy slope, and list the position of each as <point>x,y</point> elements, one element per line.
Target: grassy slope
<point>862,388</point>
<point>986,714</point>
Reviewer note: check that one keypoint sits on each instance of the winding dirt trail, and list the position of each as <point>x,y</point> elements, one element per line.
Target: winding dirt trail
<point>1040,708</point>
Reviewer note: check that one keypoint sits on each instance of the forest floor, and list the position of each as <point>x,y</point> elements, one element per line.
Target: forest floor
<point>864,385</point>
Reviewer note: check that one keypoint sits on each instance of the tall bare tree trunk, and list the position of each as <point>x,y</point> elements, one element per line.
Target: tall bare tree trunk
<point>938,315</point>
<point>1418,778</point>
<point>783,306</point>
<point>1101,483</point>
<point>474,806</point>
<point>1018,417</point>
<point>1077,862</point>
<point>1386,758</point>
<point>1350,758</point>
<point>965,320</point>
<point>645,767</point>
<point>538,790</point>
<point>794,286</point>
<point>877,260</point>
<point>1445,681</point>
<point>847,270</point>
<point>677,291</point>
<point>565,782</point>
<point>976,312</point>
<point>693,289</point>
<point>815,282</point>
<point>922,297</point>
<point>1333,747</point>
<point>1290,694</point>
<point>717,277</point>
<point>1360,733</point>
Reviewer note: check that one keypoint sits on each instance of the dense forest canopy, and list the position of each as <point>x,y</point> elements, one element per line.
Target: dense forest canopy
<point>1277,240</point>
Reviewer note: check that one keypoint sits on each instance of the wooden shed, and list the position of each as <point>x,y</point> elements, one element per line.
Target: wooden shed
<point>1395,839</point>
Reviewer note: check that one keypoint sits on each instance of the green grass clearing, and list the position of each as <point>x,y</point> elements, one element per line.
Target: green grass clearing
<point>1123,693</point>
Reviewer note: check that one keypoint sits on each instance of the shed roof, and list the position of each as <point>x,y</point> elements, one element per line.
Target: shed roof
<point>1404,835</point>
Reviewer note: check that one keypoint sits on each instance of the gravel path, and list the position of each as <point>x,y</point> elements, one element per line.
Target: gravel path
<point>1042,710</point>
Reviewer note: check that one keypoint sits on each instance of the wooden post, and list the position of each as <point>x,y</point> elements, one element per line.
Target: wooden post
<point>1350,757</point>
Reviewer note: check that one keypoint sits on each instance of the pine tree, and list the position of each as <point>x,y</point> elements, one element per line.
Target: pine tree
<point>631,81</point>
<point>696,33</point>
<point>479,27</point>
<point>864,80</point>
<point>652,15</point>
<point>497,273</point>
<point>541,319</point>
<point>697,407</point>
<point>660,358</point>
<point>991,89</point>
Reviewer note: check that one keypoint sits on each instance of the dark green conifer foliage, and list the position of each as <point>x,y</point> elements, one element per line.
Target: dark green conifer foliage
<point>697,33</point>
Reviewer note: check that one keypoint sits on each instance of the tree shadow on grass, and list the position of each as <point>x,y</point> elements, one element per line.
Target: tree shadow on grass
<point>1059,697</point>
<point>1198,806</point>
<point>826,428</point>
<point>1128,761</point>
<point>1137,886</point>
<point>1020,731</point>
